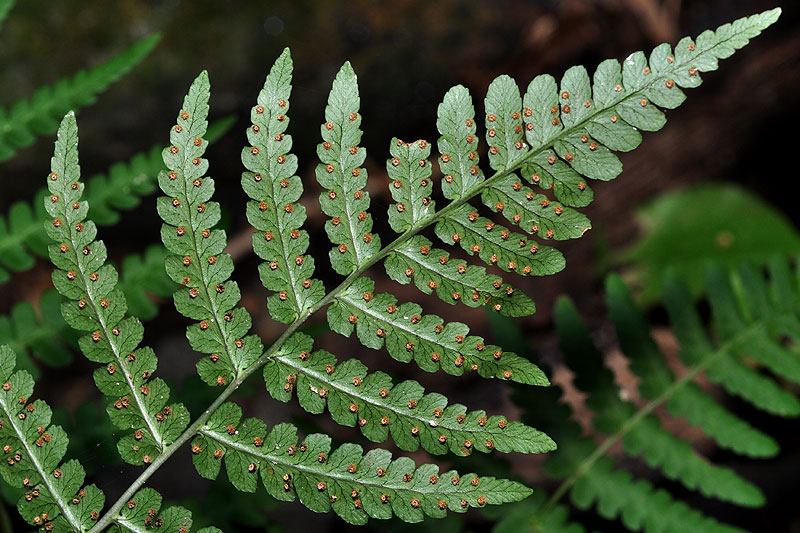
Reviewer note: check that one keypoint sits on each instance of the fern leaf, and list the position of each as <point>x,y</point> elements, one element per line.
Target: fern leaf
<point>637,503</point>
<point>503,122</point>
<point>458,144</point>
<point>410,335</point>
<point>537,215</point>
<point>32,455</point>
<point>727,370</point>
<point>27,333</point>
<point>659,447</point>
<point>496,245</point>
<point>26,119</point>
<point>591,476</point>
<point>144,512</point>
<point>39,330</point>
<point>22,232</point>
<point>411,187</point>
<point>555,520</point>
<point>5,7</point>
<point>341,174</point>
<point>432,271</point>
<point>121,189</point>
<point>274,189</point>
<point>136,402</point>
<point>199,265</point>
<point>546,171</point>
<point>143,276</point>
<point>729,321</point>
<point>355,485</point>
<point>380,407</point>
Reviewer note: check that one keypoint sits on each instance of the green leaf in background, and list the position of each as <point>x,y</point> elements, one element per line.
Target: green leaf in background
<point>687,229</point>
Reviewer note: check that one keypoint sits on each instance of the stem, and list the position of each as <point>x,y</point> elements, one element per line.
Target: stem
<point>300,321</point>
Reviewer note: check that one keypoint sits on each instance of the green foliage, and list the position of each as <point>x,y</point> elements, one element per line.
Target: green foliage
<point>27,333</point>
<point>5,7</point>
<point>379,407</point>
<point>409,335</point>
<point>355,485</point>
<point>199,265</point>
<point>273,211</point>
<point>135,401</point>
<point>38,331</point>
<point>680,232</point>
<point>753,314</point>
<point>555,136</point>
<point>341,174</point>
<point>33,451</point>
<point>25,119</point>
<point>22,234</point>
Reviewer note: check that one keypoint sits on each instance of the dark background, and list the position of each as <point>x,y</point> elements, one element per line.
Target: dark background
<point>737,127</point>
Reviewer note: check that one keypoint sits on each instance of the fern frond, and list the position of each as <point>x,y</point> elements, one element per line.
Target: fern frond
<point>736,312</point>
<point>378,406</point>
<point>143,276</point>
<point>558,136</point>
<point>32,454</point>
<point>355,485</point>
<point>637,503</point>
<point>727,369</point>
<point>199,265</point>
<point>136,402</point>
<point>121,189</point>
<point>512,518</point>
<point>40,115</point>
<point>411,188</point>
<point>658,447</point>
<point>25,332</point>
<point>274,189</point>
<point>38,330</point>
<point>143,513</point>
<point>341,174</point>
<point>764,310</point>
<point>408,335</point>
<point>454,281</point>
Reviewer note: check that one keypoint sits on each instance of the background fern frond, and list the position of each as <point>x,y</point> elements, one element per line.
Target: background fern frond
<point>410,173</point>
<point>761,307</point>
<point>341,175</point>
<point>274,211</point>
<point>199,265</point>
<point>355,485</point>
<point>135,401</point>
<point>25,119</point>
<point>47,336</point>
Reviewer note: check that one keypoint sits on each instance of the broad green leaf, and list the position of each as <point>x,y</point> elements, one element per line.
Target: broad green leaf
<point>682,232</point>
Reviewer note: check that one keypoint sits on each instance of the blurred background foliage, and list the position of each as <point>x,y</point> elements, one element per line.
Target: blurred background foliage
<point>733,132</point>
